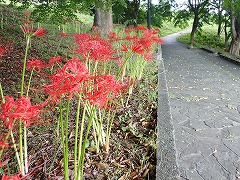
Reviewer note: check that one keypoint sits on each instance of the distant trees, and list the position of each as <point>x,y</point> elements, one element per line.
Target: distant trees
<point>199,10</point>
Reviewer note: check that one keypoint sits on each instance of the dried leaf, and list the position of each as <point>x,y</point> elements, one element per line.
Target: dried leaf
<point>101,166</point>
<point>145,173</point>
<point>118,165</point>
<point>123,177</point>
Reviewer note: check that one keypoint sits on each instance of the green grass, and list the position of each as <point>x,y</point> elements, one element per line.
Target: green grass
<point>207,38</point>
<point>169,28</point>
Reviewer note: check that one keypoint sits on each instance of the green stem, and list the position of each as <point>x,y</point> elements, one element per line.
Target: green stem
<point>122,70</point>
<point>25,148</point>
<point>1,92</point>
<point>110,120</point>
<point>80,174</point>
<point>29,82</point>
<point>81,160</point>
<point>24,64</point>
<point>66,138</point>
<point>76,137</point>
<point>66,177</point>
<point>20,164</point>
<point>21,145</point>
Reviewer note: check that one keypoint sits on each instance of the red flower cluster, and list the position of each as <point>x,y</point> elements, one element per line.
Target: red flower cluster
<point>15,177</point>
<point>67,80</point>
<point>141,45</point>
<point>21,109</point>
<point>3,50</point>
<point>38,64</point>
<point>35,63</point>
<point>63,34</point>
<point>104,86</point>
<point>94,48</point>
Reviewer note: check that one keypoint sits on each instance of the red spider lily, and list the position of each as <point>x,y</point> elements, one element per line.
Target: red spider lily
<point>39,32</point>
<point>148,57</point>
<point>15,177</point>
<point>63,34</point>
<point>54,60</point>
<point>3,144</point>
<point>112,36</point>
<point>35,63</point>
<point>132,38</point>
<point>94,48</point>
<point>141,28</point>
<point>105,87</point>
<point>137,48</point>
<point>27,14</point>
<point>125,48</point>
<point>27,29</point>
<point>2,50</point>
<point>128,31</point>
<point>155,31</point>
<point>21,109</point>
<point>95,28</point>
<point>68,80</point>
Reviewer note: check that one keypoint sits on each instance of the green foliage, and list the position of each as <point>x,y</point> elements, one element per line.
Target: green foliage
<point>182,18</point>
<point>124,12</point>
<point>54,13</point>
<point>232,5</point>
<point>161,12</point>
<point>206,38</point>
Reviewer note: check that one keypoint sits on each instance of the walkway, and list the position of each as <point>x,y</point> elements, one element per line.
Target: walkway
<point>198,115</point>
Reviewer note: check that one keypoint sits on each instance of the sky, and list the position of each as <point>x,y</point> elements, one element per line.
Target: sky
<point>178,1</point>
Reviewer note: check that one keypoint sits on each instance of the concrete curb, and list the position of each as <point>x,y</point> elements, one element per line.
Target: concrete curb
<point>223,54</point>
<point>167,167</point>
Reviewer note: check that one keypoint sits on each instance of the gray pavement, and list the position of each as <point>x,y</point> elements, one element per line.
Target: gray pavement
<point>198,114</point>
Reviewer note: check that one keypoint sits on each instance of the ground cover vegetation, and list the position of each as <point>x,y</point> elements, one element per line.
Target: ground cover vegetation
<point>74,104</point>
<point>207,38</point>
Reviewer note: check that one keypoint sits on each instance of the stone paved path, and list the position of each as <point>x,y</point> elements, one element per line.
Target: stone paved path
<point>203,97</point>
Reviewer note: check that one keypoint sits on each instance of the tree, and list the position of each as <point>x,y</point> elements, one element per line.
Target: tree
<point>161,12</point>
<point>200,11</point>
<point>218,15</point>
<point>233,7</point>
<point>198,8</point>
<point>129,12</point>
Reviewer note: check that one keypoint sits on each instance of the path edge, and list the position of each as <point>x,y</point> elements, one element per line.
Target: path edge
<point>167,167</point>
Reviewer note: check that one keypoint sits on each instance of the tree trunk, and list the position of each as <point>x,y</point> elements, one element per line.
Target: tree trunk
<point>235,46</point>
<point>219,7</point>
<point>219,22</point>
<point>194,28</point>
<point>103,20</point>
<point>235,30</point>
<point>136,11</point>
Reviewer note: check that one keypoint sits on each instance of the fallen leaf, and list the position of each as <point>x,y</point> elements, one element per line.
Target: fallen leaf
<point>145,173</point>
<point>101,166</point>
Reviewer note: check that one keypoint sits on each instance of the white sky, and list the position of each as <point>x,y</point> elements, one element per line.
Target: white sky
<point>178,1</point>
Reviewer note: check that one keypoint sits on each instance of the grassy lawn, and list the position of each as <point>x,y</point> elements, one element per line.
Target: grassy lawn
<point>169,28</point>
<point>206,38</point>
